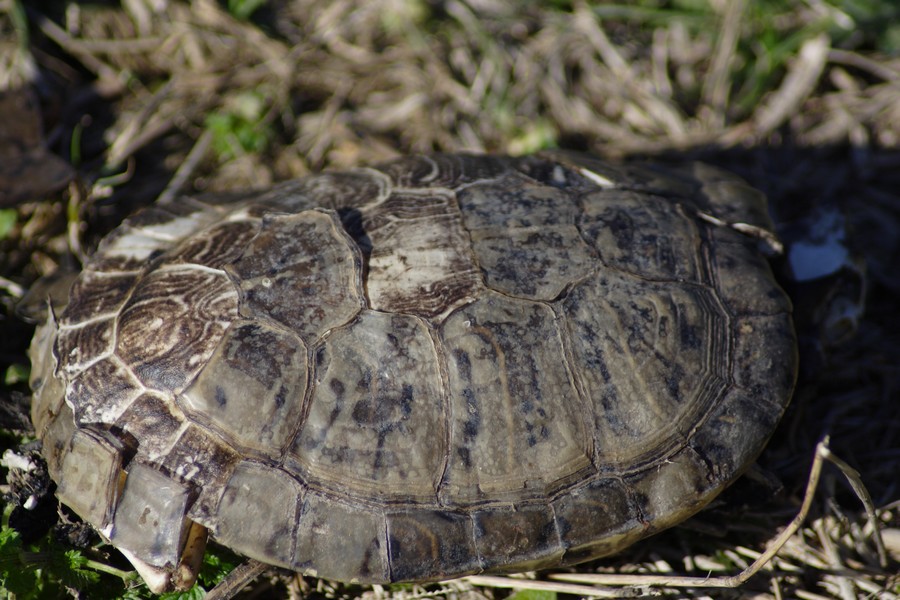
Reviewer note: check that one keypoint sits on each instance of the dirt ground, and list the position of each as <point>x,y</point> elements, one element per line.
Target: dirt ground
<point>108,106</point>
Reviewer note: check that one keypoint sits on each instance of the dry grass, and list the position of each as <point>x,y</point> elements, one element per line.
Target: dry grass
<point>154,96</point>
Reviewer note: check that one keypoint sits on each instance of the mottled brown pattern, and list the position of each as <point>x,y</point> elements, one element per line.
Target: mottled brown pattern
<point>513,200</point>
<point>252,390</point>
<point>336,191</point>
<point>420,261</point>
<point>202,459</point>
<point>101,392</point>
<point>670,340</point>
<point>85,343</point>
<point>516,419</point>
<point>648,236</point>
<point>149,426</point>
<point>95,294</point>
<point>537,263</point>
<point>172,322</point>
<point>434,367</point>
<point>376,411</point>
<point>301,270</point>
<point>222,244</point>
<point>444,170</point>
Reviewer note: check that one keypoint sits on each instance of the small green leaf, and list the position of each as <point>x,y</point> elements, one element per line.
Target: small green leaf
<point>73,571</point>
<point>16,576</point>
<point>243,9</point>
<point>239,128</point>
<point>8,218</point>
<point>15,373</point>
<point>533,595</point>
<point>215,567</point>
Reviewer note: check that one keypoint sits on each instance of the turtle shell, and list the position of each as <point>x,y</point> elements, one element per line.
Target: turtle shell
<point>440,366</point>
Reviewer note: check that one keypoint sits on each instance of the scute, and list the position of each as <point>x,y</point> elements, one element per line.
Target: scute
<point>149,517</point>
<point>596,519</point>
<point>172,322</point>
<point>648,236</point>
<point>517,538</point>
<point>425,544</point>
<point>257,514</point>
<point>437,366</point>
<point>301,270</point>
<point>375,420</point>
<point>653,357</point>
<point>87,473</point>
<point>516,418</point>
<point>252,388</point>
<point>419,256</point>
<point>338,540</point>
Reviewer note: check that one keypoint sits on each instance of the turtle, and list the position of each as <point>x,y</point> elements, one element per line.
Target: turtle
<point>437,366</point>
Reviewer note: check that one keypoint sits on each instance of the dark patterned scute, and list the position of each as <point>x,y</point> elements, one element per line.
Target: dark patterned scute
<point>439,366</point>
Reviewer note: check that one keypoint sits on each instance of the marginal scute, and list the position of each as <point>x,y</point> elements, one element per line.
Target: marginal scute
<point>653,358</point>
<point>517,538</point>
<point>257,515</point>
<point>597,519</point>
<point>376,414</point>
<point>301,270</point>
<point>56,440</point>
<point>172,222</point>
<point>48,390</point>
<point>741,267</point>
<point>336,191</point>
<point>87,477</point>
<point>730,198</point>
<point>769,371</point>
<point>422,543</point>
<point>512,433</point>
<point>683,486</point>
<point>252,388</point>
<point>737,428</point>
<point>126,249</point>
<point>150,232</point>
<point>341,541</point>
<point>150,516</point>
<point>202,460</point>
